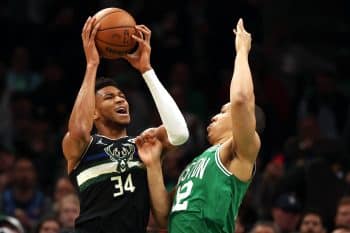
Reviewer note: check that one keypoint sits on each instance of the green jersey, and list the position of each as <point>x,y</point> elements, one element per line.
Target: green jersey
<point>208,197</point>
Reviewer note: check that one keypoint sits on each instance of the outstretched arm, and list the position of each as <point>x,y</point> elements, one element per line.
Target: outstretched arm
<point>169,112</point>
<point>81,119</point>
<point>150,146</point>
<point>245,138</point>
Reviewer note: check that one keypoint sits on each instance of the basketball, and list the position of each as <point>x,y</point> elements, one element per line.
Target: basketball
<point>113,37</point>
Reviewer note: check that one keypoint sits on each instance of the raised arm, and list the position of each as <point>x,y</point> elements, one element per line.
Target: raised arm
<point>81,119</point>
<point>169,112</point>
<point>246,140</point>
<point>174,129</point>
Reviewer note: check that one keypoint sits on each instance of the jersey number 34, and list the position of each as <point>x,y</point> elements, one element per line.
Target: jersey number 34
<point>121,186</point>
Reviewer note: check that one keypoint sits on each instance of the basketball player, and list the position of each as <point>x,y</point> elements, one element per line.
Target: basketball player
<point>211,188</point>
<point>105,167</point>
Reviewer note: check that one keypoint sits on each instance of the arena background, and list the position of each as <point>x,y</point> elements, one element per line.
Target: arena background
<point>299,60</point>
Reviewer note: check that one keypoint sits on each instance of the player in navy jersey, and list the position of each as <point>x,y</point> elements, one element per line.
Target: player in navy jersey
<point>105,167</point>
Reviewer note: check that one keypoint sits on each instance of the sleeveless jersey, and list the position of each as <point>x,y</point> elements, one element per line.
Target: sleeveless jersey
<point>112,186</point>
<point>208,197</point>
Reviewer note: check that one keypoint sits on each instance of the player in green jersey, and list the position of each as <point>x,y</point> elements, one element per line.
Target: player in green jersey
<point>211,188</point>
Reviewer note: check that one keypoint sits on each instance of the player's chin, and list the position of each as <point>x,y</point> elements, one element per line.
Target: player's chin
<point>124,121</point>
<point>210,137</point>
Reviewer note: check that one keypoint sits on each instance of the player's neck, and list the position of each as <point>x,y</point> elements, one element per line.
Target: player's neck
<point>112,133</point>
<point>223,140</point>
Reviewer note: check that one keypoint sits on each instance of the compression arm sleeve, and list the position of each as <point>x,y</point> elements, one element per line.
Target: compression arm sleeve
<point>169,112</point>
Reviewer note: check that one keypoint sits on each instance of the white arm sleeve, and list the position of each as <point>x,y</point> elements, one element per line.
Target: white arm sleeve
<point>169,112</point>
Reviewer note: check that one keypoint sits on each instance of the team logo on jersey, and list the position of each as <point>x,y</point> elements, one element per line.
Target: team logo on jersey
<point>121,155</point>
<point>100,142</point>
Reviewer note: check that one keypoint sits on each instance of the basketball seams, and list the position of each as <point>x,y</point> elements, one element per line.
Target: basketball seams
<point>113,38</point>
<point>100,30</point>
<point>114,45</point>
<point>114,11</point>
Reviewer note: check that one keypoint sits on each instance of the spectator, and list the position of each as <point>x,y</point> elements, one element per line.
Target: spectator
<point>20,77</point>
<point>286,213</point>
<point>239,227</point>
<point>63,187</point>
<point>341,230</point>
<point>265,227</point>
<point>342,217</point>
<point>48,225</point>
<point>68,211</point>
<point>308,180</point>
<point>312,222</point>
<point>23,199</point>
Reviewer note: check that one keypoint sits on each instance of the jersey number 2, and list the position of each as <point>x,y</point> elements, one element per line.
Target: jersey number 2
<point>182,193</point>
<point>128,185</point>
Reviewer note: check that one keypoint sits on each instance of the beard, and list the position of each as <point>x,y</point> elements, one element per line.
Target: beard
<point>118,125</point>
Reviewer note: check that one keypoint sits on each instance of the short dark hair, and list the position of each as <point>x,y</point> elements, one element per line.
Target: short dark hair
<point>44,220</point>
<point>102,82</point>
<point>260,119</point>
<point>345,200</point>
<point>312,212</point>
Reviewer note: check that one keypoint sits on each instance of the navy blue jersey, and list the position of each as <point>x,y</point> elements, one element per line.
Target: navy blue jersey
<point>112,185</point>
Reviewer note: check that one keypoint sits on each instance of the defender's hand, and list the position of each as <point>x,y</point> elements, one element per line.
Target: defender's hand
<point>140,59</point>
<point>243,38</point>
<point>149,147</point>
<point>88,37</point>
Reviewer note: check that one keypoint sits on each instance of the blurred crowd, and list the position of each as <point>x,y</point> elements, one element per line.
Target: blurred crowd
<point>300,64</point>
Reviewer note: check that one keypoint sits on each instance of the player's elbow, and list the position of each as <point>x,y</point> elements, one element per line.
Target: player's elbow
<point>241,98</point>
<point>179,137</point>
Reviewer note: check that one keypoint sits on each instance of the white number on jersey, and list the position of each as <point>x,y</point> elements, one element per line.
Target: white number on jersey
<point>183,192</point>
<point>128,185</point>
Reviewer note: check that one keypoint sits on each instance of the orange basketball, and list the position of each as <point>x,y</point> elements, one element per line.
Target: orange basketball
<point>113,38</point>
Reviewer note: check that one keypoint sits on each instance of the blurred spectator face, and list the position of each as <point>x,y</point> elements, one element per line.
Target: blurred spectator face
<point>342,217</point>
<point>239,228</point>
<point>49,226</point>
<point>341,230</point>
<point>68,210</point>
<point>263,229</point>
<point>63,187</point>
<point>311,223</point>
<point>24,176</point>
<point>286,212</point>
<point>286,221</point>
<point>275,167</point>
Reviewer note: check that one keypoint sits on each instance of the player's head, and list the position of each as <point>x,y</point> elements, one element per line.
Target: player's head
<point>220,128</point>
<point>111,106</point>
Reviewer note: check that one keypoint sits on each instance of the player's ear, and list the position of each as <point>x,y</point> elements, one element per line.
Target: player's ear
<point>96,114</point>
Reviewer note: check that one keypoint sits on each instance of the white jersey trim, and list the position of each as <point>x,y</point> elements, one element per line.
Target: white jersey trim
<point>101,169</point>
<point>219,163</point>
<point>114,139</point>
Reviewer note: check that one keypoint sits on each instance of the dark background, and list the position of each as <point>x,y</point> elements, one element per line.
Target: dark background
<point>299,61</point>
